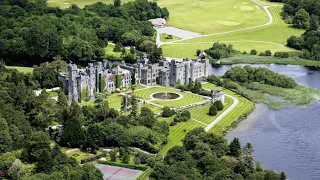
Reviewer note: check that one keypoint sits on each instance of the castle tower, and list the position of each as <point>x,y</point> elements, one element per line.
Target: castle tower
<point>192,71</point>
<point>187,73</point>
<point>206,67</point>
<point>173,73</point>
<point>98,71</point>
<point>92,84</point>
<point>73,83</point>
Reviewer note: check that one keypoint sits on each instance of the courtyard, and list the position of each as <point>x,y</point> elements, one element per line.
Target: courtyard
<point>184,99</point>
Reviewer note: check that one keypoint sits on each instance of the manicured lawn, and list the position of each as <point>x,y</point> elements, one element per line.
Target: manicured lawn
<point>213,16</point>
<point>187,98</point>
<point>163,38</point>
<point>201,113</point>
<point>178,132</point>
<point>80,3</point>
<point>21,69</point>
<point>243,106</point>
<point>277,32</point>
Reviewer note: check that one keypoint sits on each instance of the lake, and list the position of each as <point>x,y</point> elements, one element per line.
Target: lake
<point>287,139</point>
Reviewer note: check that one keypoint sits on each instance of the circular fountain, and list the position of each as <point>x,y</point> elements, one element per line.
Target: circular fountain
<point>165,95</point>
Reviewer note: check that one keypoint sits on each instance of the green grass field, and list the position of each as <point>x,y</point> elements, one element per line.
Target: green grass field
<point>278,32</point>
<point>243,106</point>
<point>249,59</point>
<point>188,98</point>
<point>178,132</point>
<point>163,38</point>
<point>80,3</point>
<point>213,16</point>
<point>114,101</point>
<point>21,69</point>
<point>201,113</point>
<point>189,50</point>
<point>197,15</point>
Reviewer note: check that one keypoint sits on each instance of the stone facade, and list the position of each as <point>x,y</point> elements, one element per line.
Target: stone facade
<point>217,95</point>
<point>166,73</point>
<point>90,79</point>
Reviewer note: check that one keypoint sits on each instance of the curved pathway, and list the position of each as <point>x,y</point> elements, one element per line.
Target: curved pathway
<point>218,119</point>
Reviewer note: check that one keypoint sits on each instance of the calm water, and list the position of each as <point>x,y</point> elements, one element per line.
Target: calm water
<point>288,139</point>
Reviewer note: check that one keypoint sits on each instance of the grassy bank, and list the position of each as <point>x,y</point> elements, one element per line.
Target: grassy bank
<point>243,107</point>
<point>21,69</point>
<point>249,59</point>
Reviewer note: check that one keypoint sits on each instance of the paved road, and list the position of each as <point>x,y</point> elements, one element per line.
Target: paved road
<point>215,121</point>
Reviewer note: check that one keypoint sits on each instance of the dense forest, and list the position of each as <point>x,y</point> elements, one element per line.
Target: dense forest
<point>31,32</point>
<point>304,14</point>
<point>25,149</point>
<point>209,156</point>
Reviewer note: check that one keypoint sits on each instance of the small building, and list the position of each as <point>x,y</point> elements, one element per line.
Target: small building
<point>158,22</point>
<point>217,95</point>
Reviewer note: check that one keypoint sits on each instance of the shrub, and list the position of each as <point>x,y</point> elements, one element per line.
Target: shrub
<point>198,52</point>
<point>126,158</point>
<point>169,36</point>
<point>262,54</point>
<point>244,52</point>
<point>281,54</point>
<point>151,162</point>
<point>113,155</point>
<point>117,47</point>
<point>136,161</point>
<point>167,112</point>
<point>213,110</point>
<point>268,53</point>
<point>219,105</point>
<point>253,52</point>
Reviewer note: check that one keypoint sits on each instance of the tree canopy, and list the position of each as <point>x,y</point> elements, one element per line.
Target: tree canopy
<point>31,32</point>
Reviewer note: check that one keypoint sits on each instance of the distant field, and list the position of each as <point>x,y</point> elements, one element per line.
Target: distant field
<point>80,3</point>
<point>197,15</point>
<point>213,16</point>
<point>272,37</point>
<point>249,59</point>
<point>189,50</point>
<point>21,69</point>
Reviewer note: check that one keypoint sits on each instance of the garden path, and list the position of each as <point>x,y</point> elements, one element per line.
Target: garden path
<point>216,120</point>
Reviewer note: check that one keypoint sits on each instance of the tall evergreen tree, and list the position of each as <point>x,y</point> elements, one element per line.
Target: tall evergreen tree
<point>45,162</point>
<point>283,176</point>
<point>117,3</point>
<point>62,100</point>
<point>235,147</point>
<point>134,105</point>
<point>5,138</point>
<point>72,133</point>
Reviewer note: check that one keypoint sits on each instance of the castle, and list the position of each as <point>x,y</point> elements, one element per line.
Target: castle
<point>99,77</point>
